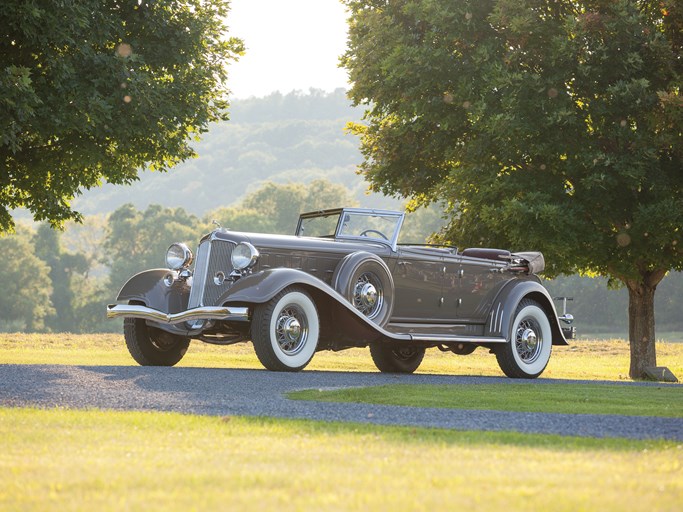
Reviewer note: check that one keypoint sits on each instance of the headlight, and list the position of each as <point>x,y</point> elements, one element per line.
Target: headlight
<point>178,256</point>
<point>244,256</point>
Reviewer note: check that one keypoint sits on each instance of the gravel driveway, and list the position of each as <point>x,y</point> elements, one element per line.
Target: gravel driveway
<point>261,393</point>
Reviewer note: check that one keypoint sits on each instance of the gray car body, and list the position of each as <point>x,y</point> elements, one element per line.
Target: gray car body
<point>441,297</point>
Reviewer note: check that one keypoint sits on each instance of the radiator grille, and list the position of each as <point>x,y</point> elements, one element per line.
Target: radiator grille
<point>213,256</point>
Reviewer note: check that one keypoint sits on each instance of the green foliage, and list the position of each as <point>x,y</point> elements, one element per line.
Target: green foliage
<point>552,125</point>
<point>275,208</point>
<point>25,283</point>
<point>555,125</point>
<point>279,138</point>
<point>138,241</point>
<point>64,268</point>
<point>422,225</point>
<point>95,91</point>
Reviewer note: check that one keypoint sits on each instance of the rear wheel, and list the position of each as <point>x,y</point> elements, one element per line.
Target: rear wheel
<point>527,353</point>
<point>153,347</point>
<point>390,359</point>
<point>285,331</point>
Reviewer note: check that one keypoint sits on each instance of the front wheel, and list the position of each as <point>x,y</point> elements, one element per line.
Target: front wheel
<point>527,353</point>
<point>153,347</point>
<point>285,331</point>
<point>389,359</point>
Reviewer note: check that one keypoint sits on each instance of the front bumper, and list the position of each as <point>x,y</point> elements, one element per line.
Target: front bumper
<point>189,315</point>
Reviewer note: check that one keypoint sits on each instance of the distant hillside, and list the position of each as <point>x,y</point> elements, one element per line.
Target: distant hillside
<point>283,138</point>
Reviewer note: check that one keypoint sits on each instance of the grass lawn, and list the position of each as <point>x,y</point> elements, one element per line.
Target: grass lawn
<point>99,460</point>
<point>666,401</point>
<point>586,360</point>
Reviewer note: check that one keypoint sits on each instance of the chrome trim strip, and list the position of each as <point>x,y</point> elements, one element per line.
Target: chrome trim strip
<point>454,338</point>
<point>203,313</point>
<point>494,320</point>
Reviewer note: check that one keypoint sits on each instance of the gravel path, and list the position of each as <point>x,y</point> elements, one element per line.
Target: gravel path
<point>260,393</point>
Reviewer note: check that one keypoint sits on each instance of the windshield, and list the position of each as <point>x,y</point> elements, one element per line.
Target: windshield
<point>324,226</point>
<point>352,223</point>
<point>369,226</point>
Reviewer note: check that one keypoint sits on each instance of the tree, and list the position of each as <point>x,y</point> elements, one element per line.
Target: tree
<point>64,267</point>
<point>284,203</point>
<point>422,225</point>
<point>25,284</point>
<point>138,241</point>
<point>95,90</point>
<point>549,124</point>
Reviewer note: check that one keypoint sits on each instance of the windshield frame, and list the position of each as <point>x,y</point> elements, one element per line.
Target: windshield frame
<point>343,215</point>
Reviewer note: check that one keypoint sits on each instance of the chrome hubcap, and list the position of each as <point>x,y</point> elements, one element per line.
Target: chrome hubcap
<point>292,329</point>
<point>529,339</point>
<point>367,295</point>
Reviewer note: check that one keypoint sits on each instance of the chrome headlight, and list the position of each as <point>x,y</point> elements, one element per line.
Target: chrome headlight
<point>244,256</point>
<point>178,256</point>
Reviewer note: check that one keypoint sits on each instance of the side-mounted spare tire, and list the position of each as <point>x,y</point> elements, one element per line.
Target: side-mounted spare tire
<point>365,281</point>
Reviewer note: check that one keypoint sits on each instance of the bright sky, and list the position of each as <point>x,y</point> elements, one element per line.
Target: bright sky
<point>291,45</point>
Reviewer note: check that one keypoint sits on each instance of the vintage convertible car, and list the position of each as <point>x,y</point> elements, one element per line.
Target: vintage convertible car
<point>342,281</point>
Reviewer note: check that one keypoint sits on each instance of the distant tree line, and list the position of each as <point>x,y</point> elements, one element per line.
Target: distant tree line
<point>61,281</point>
<point>279,138</point>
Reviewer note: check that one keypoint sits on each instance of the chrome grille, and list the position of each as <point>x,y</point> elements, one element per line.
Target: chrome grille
<point>213,256</point>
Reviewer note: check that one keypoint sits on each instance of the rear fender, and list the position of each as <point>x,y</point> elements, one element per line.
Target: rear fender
<point>499,321</point>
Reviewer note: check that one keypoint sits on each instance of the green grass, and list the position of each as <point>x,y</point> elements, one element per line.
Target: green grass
<point>666,401</point>
<point>585,360</point>
<point>100,460</point>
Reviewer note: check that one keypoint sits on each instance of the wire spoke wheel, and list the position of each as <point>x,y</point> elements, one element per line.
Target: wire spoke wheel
<point>365,281</point>
<point>527,352</point>
<point>291,330</point>
<point>285,330</point>
<point>528,340</point>
<point>368,295</point>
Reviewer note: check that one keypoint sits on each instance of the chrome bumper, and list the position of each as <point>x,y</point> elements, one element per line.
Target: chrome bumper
<point>202,313</point>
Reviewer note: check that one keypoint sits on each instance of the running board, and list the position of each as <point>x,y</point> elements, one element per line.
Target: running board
<point>452,338</point>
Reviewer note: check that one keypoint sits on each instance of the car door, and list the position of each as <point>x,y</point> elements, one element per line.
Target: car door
<point>470,285</point>
<point>418,282</point>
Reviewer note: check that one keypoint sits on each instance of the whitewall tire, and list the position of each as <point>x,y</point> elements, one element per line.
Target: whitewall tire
<point>285,330</point>
<point>527,352</point>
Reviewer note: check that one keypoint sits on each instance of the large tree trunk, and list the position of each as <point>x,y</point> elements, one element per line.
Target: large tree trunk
<point>641,322</point>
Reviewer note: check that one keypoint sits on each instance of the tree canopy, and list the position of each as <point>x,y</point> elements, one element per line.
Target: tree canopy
<point>547,124</point>
<point>25,301</point>
<point>96,90</point>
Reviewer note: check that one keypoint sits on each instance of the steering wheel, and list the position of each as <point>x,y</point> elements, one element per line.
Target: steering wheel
<point>364,233</point>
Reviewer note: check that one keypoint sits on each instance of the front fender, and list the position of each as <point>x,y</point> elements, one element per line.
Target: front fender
<point>351,325</point>
<point>151,288</point>
<point>499,321</point>
<point>263,286</point>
